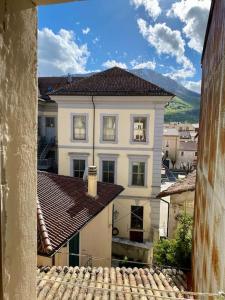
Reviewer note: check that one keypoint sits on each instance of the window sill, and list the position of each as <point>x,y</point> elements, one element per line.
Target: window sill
<point>139,143</point>
<point>137,186</point>
<point>79,141</point>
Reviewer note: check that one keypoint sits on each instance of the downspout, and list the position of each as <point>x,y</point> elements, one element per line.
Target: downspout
<point>93,141</point>
<point>168,216</point>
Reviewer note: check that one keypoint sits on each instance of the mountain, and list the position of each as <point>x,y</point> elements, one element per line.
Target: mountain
<point>184,107</point>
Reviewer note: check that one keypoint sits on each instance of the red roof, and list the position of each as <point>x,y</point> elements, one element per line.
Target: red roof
<point>112,82</point>
<point>65,208</point>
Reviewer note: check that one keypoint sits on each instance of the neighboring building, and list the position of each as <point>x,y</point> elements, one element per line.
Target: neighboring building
<point>72,225</point>
<point>179,149</point>
<point>109,283</point>
<point>209,226</point>
<point>187,155</point>
<point>171,140</point>
<point>48,121</point>
<point>180,197</point>
<point>114,119</point>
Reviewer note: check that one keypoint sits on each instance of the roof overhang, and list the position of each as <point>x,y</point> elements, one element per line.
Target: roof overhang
<point>46,2</point>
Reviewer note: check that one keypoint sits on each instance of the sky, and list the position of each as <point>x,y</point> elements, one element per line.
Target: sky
<point>93,35</point>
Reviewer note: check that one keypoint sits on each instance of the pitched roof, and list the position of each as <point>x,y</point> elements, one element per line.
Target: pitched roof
<point>183,185</point>
<point>48,84</point>
<point>110,283</point>
<point>112,82</point>
<point>65,208</point>
<point>188,146</point>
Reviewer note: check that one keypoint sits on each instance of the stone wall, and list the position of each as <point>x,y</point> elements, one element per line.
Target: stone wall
<point>18,113</point>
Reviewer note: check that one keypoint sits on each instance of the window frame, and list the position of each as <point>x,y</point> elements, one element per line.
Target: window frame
<point>107,157</point>
<point>86,115</point>
<point>102,141</point>
<point>138,158</point>
<point>77,156</point>
<point>132,215</point>
<point>132,116</point>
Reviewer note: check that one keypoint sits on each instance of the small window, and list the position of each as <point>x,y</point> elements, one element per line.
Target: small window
<point>109,128</point>
<point>182,153</point>
<point>108,171</point>
<point>136,236</point>
<point>137,217</point>
<point>79,127</point>
<point>196,153</point>
<point>139,129</point>
<point>50,122</point>
<point>138,173</point>
<point>78,168</point>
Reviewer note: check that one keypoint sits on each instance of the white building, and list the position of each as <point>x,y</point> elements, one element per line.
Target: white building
<point>114,120</point>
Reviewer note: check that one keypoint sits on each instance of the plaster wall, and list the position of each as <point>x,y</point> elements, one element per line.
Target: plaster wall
<point>209,225</point>
<point>18,114</point>
<point>96,239</point>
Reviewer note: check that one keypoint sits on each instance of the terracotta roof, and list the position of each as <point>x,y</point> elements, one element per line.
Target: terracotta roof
<point>48,84</point>
<point>188,146</point>
<point>183,185</point>
<point>112,82</point>
<point>65,208</point>
<point>79,283</point>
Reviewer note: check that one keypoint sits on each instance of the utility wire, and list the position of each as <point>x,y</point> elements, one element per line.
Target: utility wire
<point>123,260</point>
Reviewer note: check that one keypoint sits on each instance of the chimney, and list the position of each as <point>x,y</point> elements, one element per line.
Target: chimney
<point>92,181</point>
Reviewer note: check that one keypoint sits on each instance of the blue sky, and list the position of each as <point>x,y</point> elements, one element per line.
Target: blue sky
<point>91,35</point>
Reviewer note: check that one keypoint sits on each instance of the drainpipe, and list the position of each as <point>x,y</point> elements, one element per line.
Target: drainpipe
<point>168,216</point>
<point>93,144</point>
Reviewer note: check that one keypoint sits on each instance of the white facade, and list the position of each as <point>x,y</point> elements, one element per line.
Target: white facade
<point>122,150</point>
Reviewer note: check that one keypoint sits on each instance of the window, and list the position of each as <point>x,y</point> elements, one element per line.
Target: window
<point>108,171</point>
<point>182,153</point>
<point>137,217</point>
<point>50,122</point>
<point>139,129</point>
<point>80,127</point>
<point>196,153</point>
<point>138,173</point>
<point>109,128</point>
<point>78,168</point>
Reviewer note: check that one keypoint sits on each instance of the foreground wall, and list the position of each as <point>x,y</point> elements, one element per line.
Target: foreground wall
<point>18,113</point>
<point>209,227</point>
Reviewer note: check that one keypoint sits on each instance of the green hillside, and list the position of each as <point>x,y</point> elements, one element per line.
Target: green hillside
<point>179,110</point>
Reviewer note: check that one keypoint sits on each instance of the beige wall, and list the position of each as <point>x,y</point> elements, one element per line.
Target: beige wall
<point>18,114</point>
<point>122,207</point>
<point>179,203</point>
<point>173,145</point>
<point>96,239</point>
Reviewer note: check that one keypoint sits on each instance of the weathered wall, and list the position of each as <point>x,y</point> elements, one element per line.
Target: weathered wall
<point>18,111</point>
<point>209,228</point>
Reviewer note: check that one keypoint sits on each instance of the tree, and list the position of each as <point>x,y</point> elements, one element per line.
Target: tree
<point>176,252</point>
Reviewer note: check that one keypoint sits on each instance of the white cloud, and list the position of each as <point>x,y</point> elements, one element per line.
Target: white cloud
<point>193,85</point>
<point>143,65</point>
<point>151,7</point>
<point>86,30</point>
<point>169,42</point>
<point>194,14</point>
<point>59,53</point>
<point>112,63</point>
<point>95,40</point>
